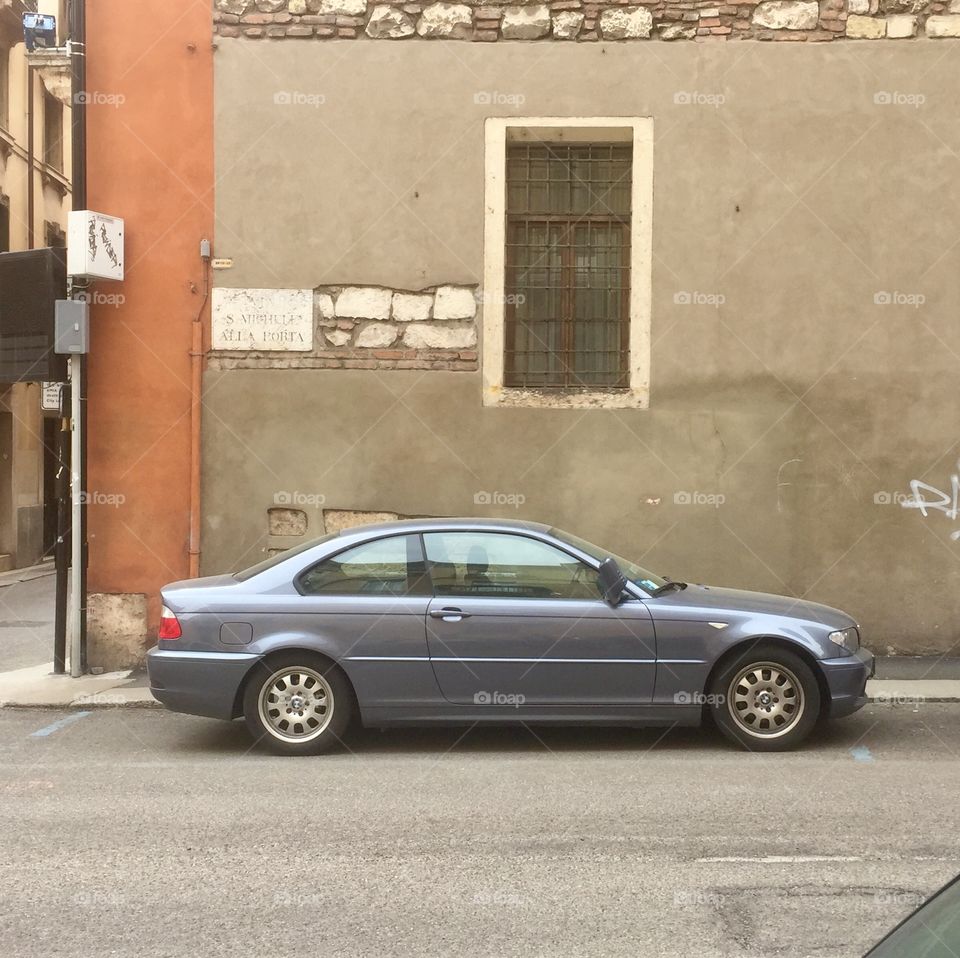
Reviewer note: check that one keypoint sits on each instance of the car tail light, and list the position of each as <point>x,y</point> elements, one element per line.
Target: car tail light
<point>169,626</point>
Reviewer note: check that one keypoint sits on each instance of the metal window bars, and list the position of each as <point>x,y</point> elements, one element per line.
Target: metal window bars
<point>567,280</point>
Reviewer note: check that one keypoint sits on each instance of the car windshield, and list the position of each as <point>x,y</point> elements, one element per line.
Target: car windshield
<point>647,580</point>
<point>932,931</point>
<point>273,560</point>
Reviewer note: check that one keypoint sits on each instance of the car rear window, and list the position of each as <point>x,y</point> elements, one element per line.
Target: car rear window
<point>245,574</point>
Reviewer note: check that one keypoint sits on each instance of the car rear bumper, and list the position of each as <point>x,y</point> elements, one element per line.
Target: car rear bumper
<point>847,681</point>
<point>198,683</point>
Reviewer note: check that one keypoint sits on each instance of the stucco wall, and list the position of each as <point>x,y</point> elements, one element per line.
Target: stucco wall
<point>801,185</point>
<point>150,162</point>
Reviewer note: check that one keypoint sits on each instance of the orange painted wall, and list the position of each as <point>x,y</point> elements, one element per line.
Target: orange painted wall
<point>150,160</point>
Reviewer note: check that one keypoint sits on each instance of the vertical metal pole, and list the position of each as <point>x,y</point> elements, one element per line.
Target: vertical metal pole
<point>62,548</point>
<point>76,546</point>
<point>78,370</point>
<point>63,482</point>
<point>82,526</point>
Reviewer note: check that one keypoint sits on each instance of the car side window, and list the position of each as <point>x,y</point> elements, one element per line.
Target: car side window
<point>392,566</point>
<point>505,566</point>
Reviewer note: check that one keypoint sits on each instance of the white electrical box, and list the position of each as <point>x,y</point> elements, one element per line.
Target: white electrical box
<point>94,245</point>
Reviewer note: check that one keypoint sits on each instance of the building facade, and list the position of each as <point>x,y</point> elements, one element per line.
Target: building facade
<point>648,272</point>
<point>150,161</point>
<point>34,202</point>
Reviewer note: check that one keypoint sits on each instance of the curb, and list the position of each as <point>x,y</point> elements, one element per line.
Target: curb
<point>84,706</point>
<point>19,576</point>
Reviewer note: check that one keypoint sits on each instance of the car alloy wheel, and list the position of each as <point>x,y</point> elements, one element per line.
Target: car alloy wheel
<point>766,700</point>
<point>296,704</point>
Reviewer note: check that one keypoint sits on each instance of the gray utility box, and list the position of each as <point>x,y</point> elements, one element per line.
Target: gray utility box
<point>72,326</point>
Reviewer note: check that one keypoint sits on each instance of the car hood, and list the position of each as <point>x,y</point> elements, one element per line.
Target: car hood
<point>739,600</point>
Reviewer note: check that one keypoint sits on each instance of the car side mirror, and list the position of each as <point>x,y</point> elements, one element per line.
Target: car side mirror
<point>612,582</point>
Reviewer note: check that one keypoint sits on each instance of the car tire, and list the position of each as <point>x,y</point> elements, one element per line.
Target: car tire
<point>765,699</point>
<point>297,703</point>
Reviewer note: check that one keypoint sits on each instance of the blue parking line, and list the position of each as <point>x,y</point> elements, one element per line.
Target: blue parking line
<point>59,724</point>
<point>861,753</point>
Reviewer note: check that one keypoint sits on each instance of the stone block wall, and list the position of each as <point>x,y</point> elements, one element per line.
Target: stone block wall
<point>583,20</point>
<point>374,327</point>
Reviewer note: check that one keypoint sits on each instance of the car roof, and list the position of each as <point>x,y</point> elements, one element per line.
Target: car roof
<point>428,524</point>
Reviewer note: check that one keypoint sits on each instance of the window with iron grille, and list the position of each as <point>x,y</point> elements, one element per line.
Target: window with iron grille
<point>567,277</point>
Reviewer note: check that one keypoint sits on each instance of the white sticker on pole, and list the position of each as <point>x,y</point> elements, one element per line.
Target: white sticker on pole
<point>50,397</point>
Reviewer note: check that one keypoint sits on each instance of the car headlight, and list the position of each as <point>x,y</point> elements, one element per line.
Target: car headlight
<point>847,639</point>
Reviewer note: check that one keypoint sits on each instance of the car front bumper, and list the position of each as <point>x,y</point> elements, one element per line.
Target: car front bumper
<point>198,683</point>
<point>847,681</point>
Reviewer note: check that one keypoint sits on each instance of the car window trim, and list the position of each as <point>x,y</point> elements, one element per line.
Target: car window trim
<point>298,585</point>
<point>553,543</point>
<point>635,591</point>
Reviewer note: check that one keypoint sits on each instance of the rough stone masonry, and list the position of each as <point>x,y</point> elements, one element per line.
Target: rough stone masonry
<point>373,327</point>
<point>581,20</point>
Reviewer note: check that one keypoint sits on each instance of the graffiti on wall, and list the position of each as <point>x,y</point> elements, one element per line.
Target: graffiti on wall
<point>929,498</point>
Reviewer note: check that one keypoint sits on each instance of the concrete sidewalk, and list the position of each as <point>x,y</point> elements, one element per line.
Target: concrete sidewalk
<point>38,687</point>
<point>27,574</point>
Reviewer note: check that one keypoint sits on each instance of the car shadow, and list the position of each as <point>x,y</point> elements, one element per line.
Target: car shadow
<point>525,739</point>
<point>231,739</point>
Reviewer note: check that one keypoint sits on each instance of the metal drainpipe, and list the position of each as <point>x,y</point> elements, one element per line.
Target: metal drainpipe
<point>30,157</point>
<point>196,390</point>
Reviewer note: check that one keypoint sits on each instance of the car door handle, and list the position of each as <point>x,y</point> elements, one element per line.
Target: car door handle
<point>450,615</point>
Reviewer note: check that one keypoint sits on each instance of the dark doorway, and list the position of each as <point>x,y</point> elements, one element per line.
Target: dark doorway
<point>51,426</point>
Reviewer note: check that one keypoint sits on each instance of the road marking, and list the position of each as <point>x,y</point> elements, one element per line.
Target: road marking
<point>861,753</point>
<point>781,859</point>
<point>59,724</point>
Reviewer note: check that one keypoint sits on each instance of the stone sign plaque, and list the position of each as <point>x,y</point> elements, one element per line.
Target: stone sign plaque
<point>262,319</point>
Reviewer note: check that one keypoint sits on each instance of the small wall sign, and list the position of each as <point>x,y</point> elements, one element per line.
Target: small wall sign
<point>262,319</point>
<point>50,397</point>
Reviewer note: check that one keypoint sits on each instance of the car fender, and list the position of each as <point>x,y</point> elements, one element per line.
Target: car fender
<point>283,639</point>
<point>808,637</point>
<point>690,648</point>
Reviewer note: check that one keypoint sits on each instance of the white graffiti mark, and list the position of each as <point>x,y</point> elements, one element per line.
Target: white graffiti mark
<point>945,502</point>
<point>780,484</point>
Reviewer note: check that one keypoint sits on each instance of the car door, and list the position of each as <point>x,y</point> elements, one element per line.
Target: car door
<point>516,620</point>
<point>366,606</point>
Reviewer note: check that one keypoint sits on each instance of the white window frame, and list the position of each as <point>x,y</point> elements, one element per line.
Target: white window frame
<point>498,130</point>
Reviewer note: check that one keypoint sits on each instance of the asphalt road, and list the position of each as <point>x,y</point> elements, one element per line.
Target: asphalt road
<point>140,833</point>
